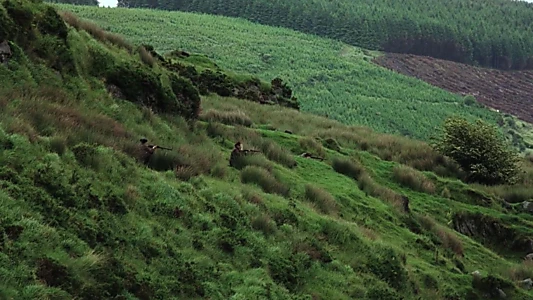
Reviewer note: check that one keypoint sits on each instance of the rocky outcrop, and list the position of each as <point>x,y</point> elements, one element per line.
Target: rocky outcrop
<point>5,52</point>
<point>492,232</point>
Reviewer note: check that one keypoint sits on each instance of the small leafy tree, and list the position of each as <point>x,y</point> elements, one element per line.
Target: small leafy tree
<point>479,150</point>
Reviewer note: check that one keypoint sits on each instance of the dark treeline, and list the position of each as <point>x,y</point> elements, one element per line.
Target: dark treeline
<point>77,2</point>
<point>493,33</point>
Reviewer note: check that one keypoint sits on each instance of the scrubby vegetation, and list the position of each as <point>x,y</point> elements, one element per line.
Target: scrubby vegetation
<point>479,150</point>
<point>330,78</point>
<point>81,217</point>
<point>492,33</point>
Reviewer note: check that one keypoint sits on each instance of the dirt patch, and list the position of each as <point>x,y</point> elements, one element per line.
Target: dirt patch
<point>507,91</point>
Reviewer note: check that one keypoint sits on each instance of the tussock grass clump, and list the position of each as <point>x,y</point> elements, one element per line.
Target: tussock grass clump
<point>251,196</point>
<point>146,57</point>
<point>227,117</point>
<point>267,181</point>
<point>521,271</point>
<point>58,144</point>
<point>312,145</point>
<point>264,224</point>
<point>449,239</point>
<point>276,153</point>
<point>446,193</point>
<point>321,198</point>
<point>348,167</point>
<point>510,193</point>
<point>87,155</point>
<point>95,30</point>
<point>253,160</point>
<point>414,179</point>
<point>185,172</point>
<point>374,189</point>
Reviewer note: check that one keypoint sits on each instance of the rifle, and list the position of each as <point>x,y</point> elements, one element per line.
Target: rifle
<point>255,151</point>
<point>159,147</point>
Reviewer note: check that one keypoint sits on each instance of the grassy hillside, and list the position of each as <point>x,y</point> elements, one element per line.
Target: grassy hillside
<point>81,218</point>
<point>330,78</point>
<point>494,33</point>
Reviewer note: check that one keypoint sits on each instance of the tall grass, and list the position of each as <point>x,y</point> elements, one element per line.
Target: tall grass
<point>95,30</point>
<point>311,145</point>
<point>227,117</point>
<point>449,239</point>
<point>264,179</point>
<point>321,198</point>
<point>414,179</point>
<point>348,167</point>
<point>413,153</point>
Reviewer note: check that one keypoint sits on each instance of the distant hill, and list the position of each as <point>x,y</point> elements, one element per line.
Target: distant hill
<point>331,78</point>
<point>493,33</point>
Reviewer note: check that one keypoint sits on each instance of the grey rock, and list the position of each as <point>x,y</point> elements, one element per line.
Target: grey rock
<point>526,284</point>
<point>501,294</point>
<point>529,256</point>
<point>527,207</point>
<point>5,52</point>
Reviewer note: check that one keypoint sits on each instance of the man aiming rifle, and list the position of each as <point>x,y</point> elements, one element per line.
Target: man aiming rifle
<point>309,155</point>
<point>238,152</point>
<point>146,151</point>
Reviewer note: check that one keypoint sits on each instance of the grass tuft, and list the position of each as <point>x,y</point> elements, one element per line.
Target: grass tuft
<point>449,239</point>
<point>261,177</point>
<point>146,57</point>
<point>348,167</point>
<point>264,224</point>
<point>311,145</point>
<point>96,31</point>
<point>413,179</point>
<point>227,117</point>
<point>322,198</point>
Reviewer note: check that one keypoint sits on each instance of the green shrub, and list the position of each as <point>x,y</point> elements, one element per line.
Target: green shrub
<point>187,96</point>
<point>58,144</point>
<point>479,150</point>
<point>322,198</point>
<point>470,100</point>
<point>387,265</point>
<point>348,167</point>
<point>264,224</point>
<point>261,177</point>
<point>87,155</point>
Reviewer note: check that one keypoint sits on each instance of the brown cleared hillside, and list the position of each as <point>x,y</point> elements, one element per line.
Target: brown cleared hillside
<point>508,91</point>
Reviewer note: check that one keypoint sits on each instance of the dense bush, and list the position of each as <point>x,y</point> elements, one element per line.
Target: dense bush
<point>479,150</point>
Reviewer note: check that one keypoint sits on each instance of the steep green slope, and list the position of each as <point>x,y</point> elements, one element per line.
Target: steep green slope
<point>81,218</point>
<point>493,33</point>
<point>331,78</point>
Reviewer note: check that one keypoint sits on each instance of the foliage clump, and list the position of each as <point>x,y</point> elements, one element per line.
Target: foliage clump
<point>321,198</point>
<point>479,150</point>
<point>268,182</point>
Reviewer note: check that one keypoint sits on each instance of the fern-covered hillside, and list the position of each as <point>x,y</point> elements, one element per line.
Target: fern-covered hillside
<point>494,33</point>
<point>81,217</point>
